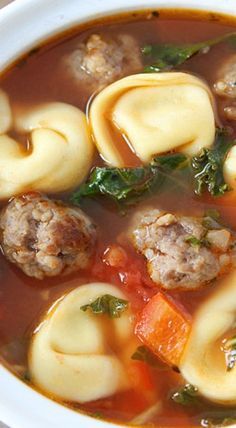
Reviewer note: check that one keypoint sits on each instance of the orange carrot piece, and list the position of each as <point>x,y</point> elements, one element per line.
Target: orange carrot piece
<point>164,327</point>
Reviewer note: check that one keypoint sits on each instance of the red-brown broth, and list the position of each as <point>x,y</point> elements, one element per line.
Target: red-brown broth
<point>23,300</point>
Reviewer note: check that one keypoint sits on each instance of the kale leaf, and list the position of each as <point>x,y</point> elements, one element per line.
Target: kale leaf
<point>193,241</point>
<point>26,377</point>
<point>186,395</point>
<point>213,417</point>
<point>127,185</point>
<point>107,304</point>
<point>142,353</point>
<point>220,423</point>
<point>219,419</point>
<point>97,415</point>
<point>168,56</point>
<point>208,166</point>
<point>118,183</point>
<point>197,243</point>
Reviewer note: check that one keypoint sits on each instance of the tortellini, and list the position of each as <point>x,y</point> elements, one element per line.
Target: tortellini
<point>5,113</point>
<point>74,354</point>
<point>60,153</point>
<point>204,361</point>
<point>155,113</point>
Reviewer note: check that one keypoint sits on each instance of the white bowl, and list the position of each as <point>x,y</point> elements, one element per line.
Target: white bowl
<point>23,24</point>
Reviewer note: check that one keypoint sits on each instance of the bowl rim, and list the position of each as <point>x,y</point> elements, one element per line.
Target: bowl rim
<point>60,19</point>
<point>20,405</point>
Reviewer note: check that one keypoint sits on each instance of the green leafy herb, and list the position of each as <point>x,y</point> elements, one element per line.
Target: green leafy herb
<point>142,353</point>
<point>214,417</point>
<point>127,185</point>
<point>208,166</point>
<point>214,423</point>
<point>230,348</point>
<point>26,376</point>
<point>220,419</point>
<point>194,242</point>
<point>168,56</point>
<point>186,395</point>
<point>197,243</point>
<point>107,304</point>
<point>97,415</point>
<point>170,162</point>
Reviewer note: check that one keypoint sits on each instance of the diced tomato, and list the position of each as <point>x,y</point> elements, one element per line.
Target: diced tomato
<point>140,376</point>
<point>142,382</point>
<point>164,327</point>
<point>119,265</point>
<point>115,256</point>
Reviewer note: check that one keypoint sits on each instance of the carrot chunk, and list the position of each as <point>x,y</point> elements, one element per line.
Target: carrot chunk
<point>164,327</point>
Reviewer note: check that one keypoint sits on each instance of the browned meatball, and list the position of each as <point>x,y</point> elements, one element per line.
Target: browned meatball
<point>180,252</point>
<point>225,86</point>
<point>102,59</point>
<point>45,237</point>
<point>226,83</point>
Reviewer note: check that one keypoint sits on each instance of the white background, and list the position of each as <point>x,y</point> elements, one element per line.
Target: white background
<point>3,3</point>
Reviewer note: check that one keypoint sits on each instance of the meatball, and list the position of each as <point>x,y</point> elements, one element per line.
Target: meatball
<point>225,86</point>
<point>102,59</point>
<point>180,252</point>
<point>45,237</point>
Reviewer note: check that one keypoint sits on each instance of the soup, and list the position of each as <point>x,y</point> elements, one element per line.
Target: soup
<point>117,148</point>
